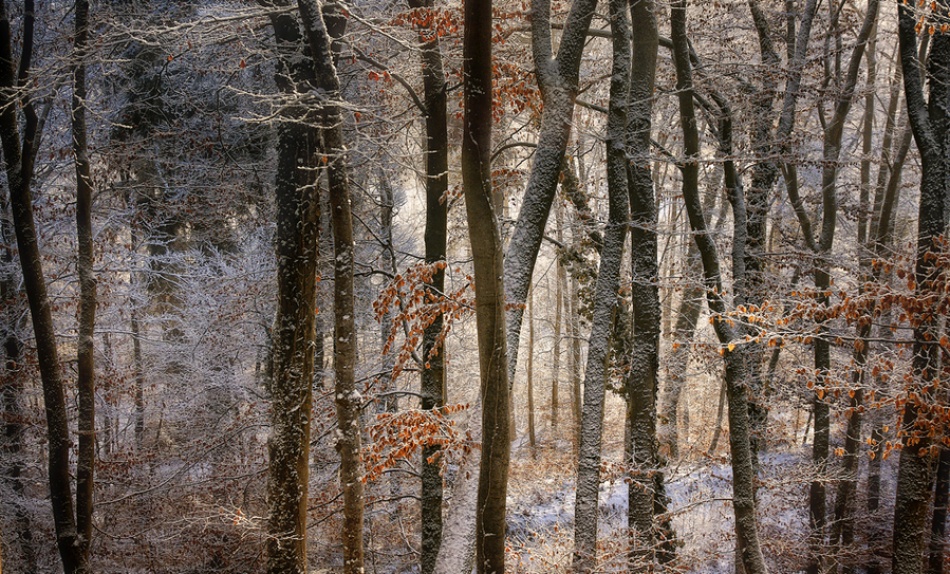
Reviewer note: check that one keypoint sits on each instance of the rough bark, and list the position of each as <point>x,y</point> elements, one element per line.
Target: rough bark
<point>529,368</point>
<point>930,124</point>
<point>605,298</point>
<point>646,492</point>
<point>486,244</point>
<point>298,217</point>
<point>18,156</point>
<point>938,524</point>
<point>737,374</point>
<point>433,372</point>
<point>558,80</point>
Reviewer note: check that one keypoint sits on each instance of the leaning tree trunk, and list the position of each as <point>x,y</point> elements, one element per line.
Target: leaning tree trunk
<point>486,245</point>
<point>433,372</point>
<point>19,159</point>
<point>930,124</point>
<point>605,298</point>
<point>558,80</point>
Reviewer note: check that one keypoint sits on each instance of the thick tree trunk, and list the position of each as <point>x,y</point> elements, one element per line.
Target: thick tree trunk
<point>486,246</point>
<point>298,217</point>
<point>605,298</point>
<point>930,123</point>
<point>646,492</point>
<point>433,372</point>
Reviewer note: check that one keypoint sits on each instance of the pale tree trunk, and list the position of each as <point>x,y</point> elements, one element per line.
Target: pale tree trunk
<point>19,155</point>
<point>737,372</point>
<point>930,124</point>
<point>558,80</point>
<point>433,372</point>
<point>389,401</point>
<point>556,358</point>
<point>605,298</point>
<point>291,364</point>
<point>486,247</point>
<point>348,399</point>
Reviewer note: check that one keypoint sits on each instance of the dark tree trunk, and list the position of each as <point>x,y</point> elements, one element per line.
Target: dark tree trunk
<point>298,217</point>
<point>85,366</point>
<point>486,245</point>
<point>605,299</point>
<point>433,372</point>
<point>19,155</point>
<point>938,525</point>
<point>348,400</point>
<point>930,124</point>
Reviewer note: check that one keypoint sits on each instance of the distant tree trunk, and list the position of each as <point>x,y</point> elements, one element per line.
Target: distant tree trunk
<point>348,399</point>
<point>558,81</point>
<point>605,298</point>
<point>433,371</point>
<point>737,372</point>
<point>575,359</point>
<point>291,381</point>
<point>930,124</point>
<point>529,367</point>
<point>85,365</point>
<point>486,245</point>
<point>387,203</point>
<point>19,155</point>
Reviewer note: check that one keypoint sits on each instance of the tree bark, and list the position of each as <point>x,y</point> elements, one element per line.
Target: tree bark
<point>85,366</point>
<point>486,247</point>
<point>298,217</point>
<point>529,367</point>
<point>437,183</point>
<point>737,374</point>
<point>19,157</point>
<point>930,123</point>
<point>605,298</point>
<point>558,80</point>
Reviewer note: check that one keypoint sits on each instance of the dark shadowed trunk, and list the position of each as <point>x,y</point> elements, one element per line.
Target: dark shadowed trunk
<point>930,124</point>
<point>437,183</point>
<point>486,246</point>
<point>298,217</point>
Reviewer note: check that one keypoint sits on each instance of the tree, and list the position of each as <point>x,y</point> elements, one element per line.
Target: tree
<point>930,124</point>
<point>486,246</point>
<point>19,156</point>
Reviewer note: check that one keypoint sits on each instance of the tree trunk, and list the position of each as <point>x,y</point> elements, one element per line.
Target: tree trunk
<point>529,367</point>
<point>646,492</point>
<point>298,217</point>
<point>433,372</point>
<point>558,80</point>
<point>85,365</point>
<point>18,156</point>
<point>930,124</point>
<point>750,553</point>
<point>348,399</point>
<point>938,525</point>
<point>486,247</point>
<point>605,298</point>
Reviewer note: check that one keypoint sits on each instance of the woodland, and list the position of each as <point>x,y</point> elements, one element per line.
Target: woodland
<point>438,287</point>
